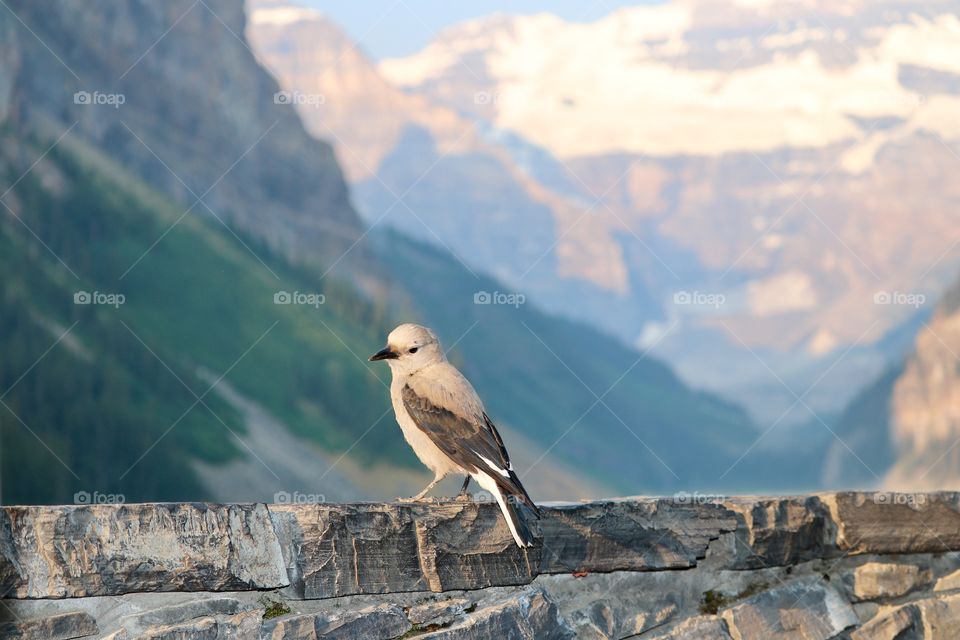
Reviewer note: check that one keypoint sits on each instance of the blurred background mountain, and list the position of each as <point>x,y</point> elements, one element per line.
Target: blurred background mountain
<point>693,246</point>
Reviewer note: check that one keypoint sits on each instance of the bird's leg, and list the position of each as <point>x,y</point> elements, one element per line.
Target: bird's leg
<point>463,490</point>
<point>426,490</point>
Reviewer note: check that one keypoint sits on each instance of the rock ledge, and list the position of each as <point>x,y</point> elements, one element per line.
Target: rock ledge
<point>855,564</point>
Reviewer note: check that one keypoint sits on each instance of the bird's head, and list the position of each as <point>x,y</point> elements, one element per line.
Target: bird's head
<point>410,347</point>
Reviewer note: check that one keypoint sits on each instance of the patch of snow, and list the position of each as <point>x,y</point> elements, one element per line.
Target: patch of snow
<point>822,343</point>
<point>784,292</point>
<point>283,15</point>
<point>793,38</point>
<point>611,86</point>
<point>651,334</point>
<point>772,241</point>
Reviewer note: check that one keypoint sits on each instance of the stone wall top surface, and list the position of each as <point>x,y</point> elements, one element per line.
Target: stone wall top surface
<point>329,550</point>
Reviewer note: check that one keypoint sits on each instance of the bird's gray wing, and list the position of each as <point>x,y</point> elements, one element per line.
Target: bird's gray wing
<point>465,438</point>
<point>471,441</point>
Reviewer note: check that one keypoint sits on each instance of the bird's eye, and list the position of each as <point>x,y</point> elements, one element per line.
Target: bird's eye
<point>413,349</point>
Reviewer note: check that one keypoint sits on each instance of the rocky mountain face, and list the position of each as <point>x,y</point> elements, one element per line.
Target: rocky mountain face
<point>863,566</point>
<point>728,181</point>
<point>352,88</point>
<point>925,405</point>
<point>213,143</point>
<point>11,55</point>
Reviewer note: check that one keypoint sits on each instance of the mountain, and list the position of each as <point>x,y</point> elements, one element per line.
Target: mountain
<point>219,138</point>
<point>735,183</point>
<point>189,296</point>
<point>409,161</point>
<point>925,405</point>
<point>92,387</point>
<point>194,215</point>
<point>902,431</point>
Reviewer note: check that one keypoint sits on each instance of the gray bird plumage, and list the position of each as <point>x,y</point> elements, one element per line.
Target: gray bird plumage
<point>444,421</point>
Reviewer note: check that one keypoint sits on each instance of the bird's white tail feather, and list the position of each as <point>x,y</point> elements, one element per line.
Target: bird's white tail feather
<point>510,513</point>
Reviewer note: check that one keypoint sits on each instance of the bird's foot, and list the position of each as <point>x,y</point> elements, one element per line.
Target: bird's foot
<point>410,499</point>
<point>463,497</point>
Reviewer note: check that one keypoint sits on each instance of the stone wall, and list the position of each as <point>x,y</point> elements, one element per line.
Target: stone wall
<point>843,565</point>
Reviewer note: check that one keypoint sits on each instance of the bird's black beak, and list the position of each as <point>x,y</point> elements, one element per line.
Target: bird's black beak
<point>384,354</point>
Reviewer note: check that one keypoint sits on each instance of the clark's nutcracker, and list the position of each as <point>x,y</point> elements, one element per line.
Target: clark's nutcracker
<point>444,421</point>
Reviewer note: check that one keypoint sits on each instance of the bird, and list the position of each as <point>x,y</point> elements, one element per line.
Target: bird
<point>444,421</point>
